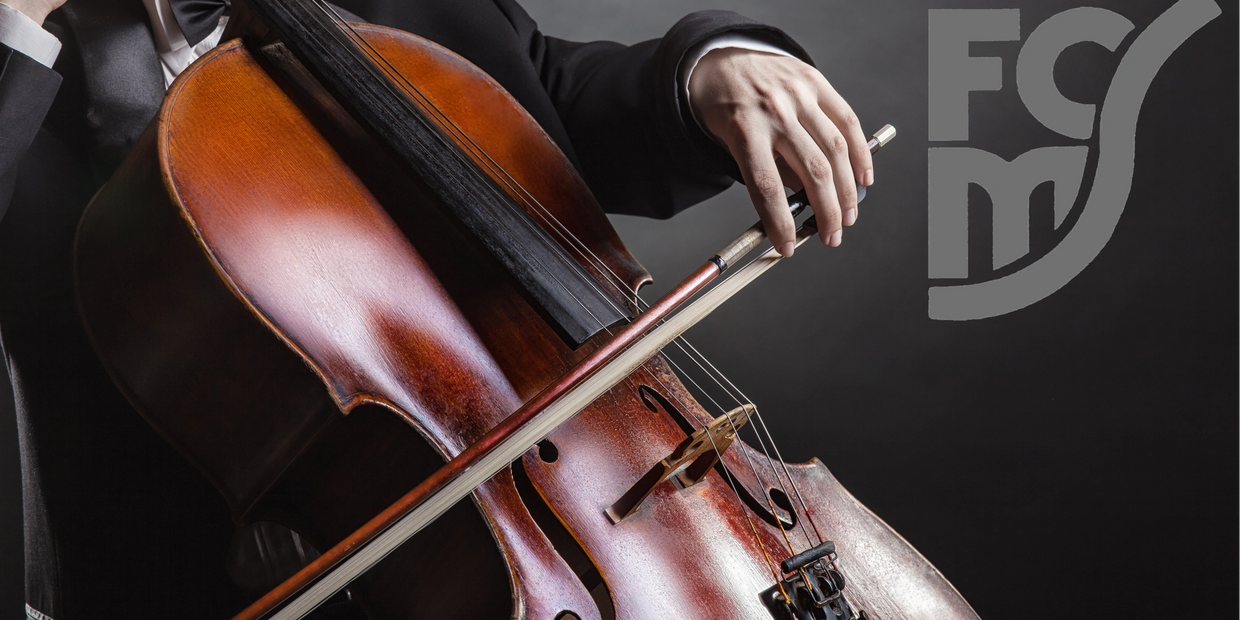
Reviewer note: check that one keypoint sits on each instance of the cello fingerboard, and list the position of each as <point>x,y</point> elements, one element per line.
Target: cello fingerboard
<point>567,297</point>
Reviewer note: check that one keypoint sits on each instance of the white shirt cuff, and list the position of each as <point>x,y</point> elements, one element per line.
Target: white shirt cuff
<point>22,34</point>
<point>695,54</point>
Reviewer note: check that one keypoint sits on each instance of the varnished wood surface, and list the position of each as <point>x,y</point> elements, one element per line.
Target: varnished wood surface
<point>327,249</point>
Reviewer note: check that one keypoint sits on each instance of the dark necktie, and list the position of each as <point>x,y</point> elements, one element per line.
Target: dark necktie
<point>198,18</point>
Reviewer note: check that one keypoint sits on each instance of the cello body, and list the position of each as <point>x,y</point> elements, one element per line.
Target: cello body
<point>288,308</point>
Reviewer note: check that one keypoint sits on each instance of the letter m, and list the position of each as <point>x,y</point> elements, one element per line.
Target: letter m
<point>1009,184</point>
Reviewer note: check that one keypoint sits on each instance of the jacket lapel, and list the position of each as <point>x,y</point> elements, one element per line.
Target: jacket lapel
<point>124,80</point>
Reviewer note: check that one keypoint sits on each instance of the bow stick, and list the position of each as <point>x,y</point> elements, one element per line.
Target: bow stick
<point>631,347</point>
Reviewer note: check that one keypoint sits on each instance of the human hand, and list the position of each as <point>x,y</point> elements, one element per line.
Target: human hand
<point>785,126</point>
<point>36,10</point>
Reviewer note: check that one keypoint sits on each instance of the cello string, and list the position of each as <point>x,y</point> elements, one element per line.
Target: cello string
<point>688,415</point>
<point>778,457</point>
<point>749,459</point>
<point>465,140</point>
<point>733,393</point>
<point>609,332</point>
<point>448,124</point>
<point>766,495</point>
<point>729,479</point>
<point>731,482</point>
<point>544,213</point>
<point>778,480</point>
<point>330,12</point>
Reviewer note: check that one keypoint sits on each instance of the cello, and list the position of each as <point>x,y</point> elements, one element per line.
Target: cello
<point>342,255</point>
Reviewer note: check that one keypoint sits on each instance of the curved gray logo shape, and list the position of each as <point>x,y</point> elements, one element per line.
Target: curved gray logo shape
<point>1113,179</point>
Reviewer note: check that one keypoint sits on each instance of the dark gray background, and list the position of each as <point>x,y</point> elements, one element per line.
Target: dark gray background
<point>1077,458</point>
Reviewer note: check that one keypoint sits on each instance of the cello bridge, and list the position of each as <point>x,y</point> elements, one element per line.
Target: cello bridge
<point>688,463</point>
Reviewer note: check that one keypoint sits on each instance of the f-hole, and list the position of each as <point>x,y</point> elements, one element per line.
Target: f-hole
<point>655,401</point>
<point>781,500</point>
<point>565,545</point>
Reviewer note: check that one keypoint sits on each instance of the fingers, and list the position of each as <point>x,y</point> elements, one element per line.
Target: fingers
<point>785,125</point>
<point>825,146</point>
<point>846,122</point>
<point>802,148</point>
<point>822,173</point>
<point>756,160</point>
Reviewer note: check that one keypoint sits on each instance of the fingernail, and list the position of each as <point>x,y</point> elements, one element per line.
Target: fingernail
<point>786,248</point>
<point>869,178</point>
<point>850,217</point>
<point>837,238</point>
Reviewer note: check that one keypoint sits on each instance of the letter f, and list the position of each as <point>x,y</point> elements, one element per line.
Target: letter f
<point>953,72</point>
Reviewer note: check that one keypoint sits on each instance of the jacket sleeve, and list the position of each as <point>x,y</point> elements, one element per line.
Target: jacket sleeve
<point>622,108</point>
<point>27,89</point>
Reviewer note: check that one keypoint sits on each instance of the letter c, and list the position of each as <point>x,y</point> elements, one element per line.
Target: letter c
<point>1035,68</point>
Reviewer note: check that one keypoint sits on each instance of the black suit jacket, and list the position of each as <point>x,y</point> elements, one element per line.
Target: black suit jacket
<point>116,524</point>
